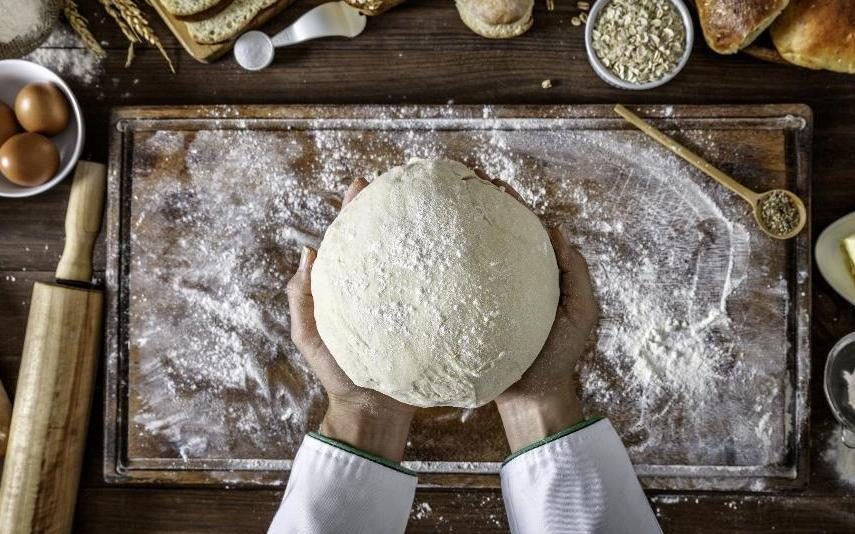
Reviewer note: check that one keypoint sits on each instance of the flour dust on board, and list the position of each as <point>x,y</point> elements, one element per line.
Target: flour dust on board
<point>681,362</point>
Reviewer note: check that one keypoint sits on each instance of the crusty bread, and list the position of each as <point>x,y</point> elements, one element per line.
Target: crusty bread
<point>228,22</point>
<point>764,53</point>
<point>818,34</point>
<point>191,8</point>
<point>731,25</point>
<point>373,7</point>
<point>497,19</point>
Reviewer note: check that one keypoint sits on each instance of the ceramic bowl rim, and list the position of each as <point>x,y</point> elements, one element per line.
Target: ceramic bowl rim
<point>80,136</point>
<point>613,79</point>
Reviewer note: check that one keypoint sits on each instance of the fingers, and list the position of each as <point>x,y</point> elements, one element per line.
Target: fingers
<point>358,185</point>
<point>482,175</point>
<point>575,277</point>
<point>501,184</point>
<point>562,248</point>
<point>304,332</point>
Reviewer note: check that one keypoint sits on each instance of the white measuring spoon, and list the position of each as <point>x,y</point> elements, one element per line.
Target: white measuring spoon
<point>255,50</point>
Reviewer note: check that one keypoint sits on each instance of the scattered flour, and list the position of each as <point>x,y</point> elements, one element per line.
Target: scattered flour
<point>78,64</point>
<point>421,511</point>
<point>840,457</point>
<point>669,499</point>
<point>690,356</point>
<point>209,274</point>
<point>65,54</point>
<point>62,36</point>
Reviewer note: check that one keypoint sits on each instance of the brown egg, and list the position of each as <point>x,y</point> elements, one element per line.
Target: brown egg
<point>29,159</point>
<point>42,108</point>
<point>8,124</point>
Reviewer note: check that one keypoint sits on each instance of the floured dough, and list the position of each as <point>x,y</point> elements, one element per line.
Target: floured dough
<point>435,287</point>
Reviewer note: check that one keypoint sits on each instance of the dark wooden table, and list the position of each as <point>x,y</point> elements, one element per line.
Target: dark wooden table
<point>421,53</point>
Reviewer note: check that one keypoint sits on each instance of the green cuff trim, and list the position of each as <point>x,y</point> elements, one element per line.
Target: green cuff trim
<point>548,439</point>
<point>368,456</point>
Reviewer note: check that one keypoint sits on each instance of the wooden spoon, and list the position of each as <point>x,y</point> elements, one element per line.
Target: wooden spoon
<point>754,199</point>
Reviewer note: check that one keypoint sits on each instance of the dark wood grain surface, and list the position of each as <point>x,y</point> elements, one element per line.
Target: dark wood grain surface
<point>422,53</point>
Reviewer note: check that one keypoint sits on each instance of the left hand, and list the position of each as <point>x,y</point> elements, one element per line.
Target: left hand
<point>544,400</point>
<point>361,417</point>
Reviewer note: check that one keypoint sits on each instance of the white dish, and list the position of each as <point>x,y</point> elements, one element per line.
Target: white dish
<point>831,260</point>
<point>15,74</point>
<point>613,79</point>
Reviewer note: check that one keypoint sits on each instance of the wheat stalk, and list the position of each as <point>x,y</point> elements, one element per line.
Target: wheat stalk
<point>81,27</point>
<point>135,26</point>
<point>132,37</point>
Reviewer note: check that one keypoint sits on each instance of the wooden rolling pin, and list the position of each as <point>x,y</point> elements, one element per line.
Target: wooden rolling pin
<point>54,393</point>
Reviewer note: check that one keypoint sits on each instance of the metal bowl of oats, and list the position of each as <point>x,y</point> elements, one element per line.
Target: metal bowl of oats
<point>639,44</point>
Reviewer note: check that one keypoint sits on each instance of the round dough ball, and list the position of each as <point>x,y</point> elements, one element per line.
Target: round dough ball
<point>435,287</point>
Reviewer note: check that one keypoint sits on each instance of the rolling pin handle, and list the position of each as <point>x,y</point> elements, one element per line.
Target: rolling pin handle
<point>83,221</point>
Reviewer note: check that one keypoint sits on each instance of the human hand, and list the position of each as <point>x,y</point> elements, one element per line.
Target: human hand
<point>544,400</point>
<point>361,417</point>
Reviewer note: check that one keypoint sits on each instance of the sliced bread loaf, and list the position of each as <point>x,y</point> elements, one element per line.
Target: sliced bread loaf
<point>190,8</point>
<point>228,22</point>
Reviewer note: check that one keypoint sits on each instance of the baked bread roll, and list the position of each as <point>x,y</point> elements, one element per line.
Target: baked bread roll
<point>731,25</point>
<point>818,34</point>
<point>496,19</point>
<point>373,7</point>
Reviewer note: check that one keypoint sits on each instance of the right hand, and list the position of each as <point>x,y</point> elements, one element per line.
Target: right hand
<point>544,400</point>
<point>361,417</point>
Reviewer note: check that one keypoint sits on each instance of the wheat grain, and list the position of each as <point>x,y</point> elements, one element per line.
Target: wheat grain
<point>132,37</point>
<point>136,19</point>
<point>81,27</point>
<point>135,26</point>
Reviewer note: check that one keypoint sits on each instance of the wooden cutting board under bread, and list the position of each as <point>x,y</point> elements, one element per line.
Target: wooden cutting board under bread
<point>208,51</point>
<point>209,206</point>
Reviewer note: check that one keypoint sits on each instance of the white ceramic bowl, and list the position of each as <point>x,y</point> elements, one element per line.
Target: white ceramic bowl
<point>613,79</point>
<point>14,75</point>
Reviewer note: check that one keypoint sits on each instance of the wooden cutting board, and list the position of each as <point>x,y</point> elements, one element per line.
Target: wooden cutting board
<point>206,53</point>
<point>701,357</point>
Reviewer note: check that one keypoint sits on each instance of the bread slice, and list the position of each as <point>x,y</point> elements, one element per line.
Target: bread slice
<point>731,25</point>
<point>818,34</point>
<point>497,19</point>
<point>191,8</point>
<point>228,22</point>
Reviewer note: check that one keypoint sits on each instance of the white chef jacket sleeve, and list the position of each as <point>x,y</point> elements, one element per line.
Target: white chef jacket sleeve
<point>334,488</point>
<point>579,480</point>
